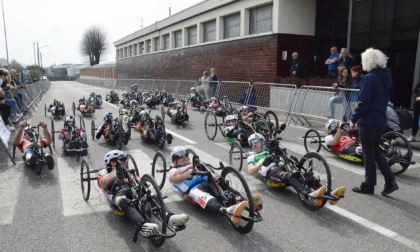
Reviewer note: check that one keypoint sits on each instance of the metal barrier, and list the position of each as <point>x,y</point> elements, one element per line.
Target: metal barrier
<point>185,86</point>
<point>234,90</point>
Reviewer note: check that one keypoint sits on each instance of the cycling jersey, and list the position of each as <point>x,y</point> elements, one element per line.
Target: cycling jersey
<point>254,158</point>
<point>344,143</point>
<point>24,144</point>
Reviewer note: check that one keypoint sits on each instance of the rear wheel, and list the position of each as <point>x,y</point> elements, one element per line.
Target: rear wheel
<point>52,132</point>
<point>74,109</point>
<point>159,169</point>
<point>236,155</point>
<point>210,125</point>
<point>45,110</point>
<point>272,119</point>
<point>397,150</point>
<point>314,171</point>
<point>235,187</point>
<point>92,129</point>
<point>312,141</point>
<point>153,208</point>
<point>85,180</point>
<point>262,127</point>
<point>132,165</point>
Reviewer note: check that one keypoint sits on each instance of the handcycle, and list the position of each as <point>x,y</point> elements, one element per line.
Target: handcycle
<point>112,97</point>
<point>56,113</point>
<point>222,107</point>
<point>229,188</point>
<point>38,149</point>
<point>151,101</point>
<point>84,108</point>
<point>73,134</point>
<point>399,155</point>
<point>120,136</point>
<point>145,194</point>
<point>166,98</point>
<point>270,118</point>
<point>94,100</point>
<point>198,101</point>
<point>180,117</point>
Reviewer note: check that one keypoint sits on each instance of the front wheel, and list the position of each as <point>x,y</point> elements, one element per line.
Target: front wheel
<point>272,119</point>
<point>262,127</point>
<point>210,125</point>
<point>315,172</point>
<point>153,208</point>
<point>236,189</point>
<point>132,165</point>
<point>236,155</point>
<point>85,180</point>
<point>159,169</point>
<point>312,141</point>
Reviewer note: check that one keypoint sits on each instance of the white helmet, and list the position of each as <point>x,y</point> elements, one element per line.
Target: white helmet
<point>133,103</point>
<point>243,108</point>
<point>255,136</point>
<point>331,123</point>
<point>178,152</point>
<point>192,88</point>
<point>230,118</point>
<point>112,155</point>
<point>144,114</point>
<point>70,119</point>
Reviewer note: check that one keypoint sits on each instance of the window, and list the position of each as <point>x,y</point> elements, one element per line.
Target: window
<point>121,53</point>
<point>260,19</point>
<point>209,31</point>
<point>125,52</point>
<point>148,46</point>
<point>232,26</point>
<point>141,48</point>
<point>156,44</point>
<point>130,51</point>
<point>135,49</point>
<point>117,53</point>
<point>178,38</point>
<point>192,35</point>
<point>166,42</point>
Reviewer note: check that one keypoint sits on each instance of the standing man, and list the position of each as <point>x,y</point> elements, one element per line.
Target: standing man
<point>296,68</point>
<point>345,59</point>
<point>371,115</point>
<point>332,63</point>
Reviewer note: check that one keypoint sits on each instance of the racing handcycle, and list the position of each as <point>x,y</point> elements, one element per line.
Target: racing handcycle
<point>84,108</point>
<point>229,188</point>
<point>180,117</point>
<point>119,136</point>
<point>57,110</point>
<point>94,100</point>
<point>145,196</point>
<point>112,97</point>
<point>393,145</point>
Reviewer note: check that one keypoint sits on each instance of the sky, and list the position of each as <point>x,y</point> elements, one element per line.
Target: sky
<point>57,25</point>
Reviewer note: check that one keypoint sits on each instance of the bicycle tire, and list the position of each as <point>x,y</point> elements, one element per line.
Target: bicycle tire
<point>45,109</point>
<point>262,126</point>
<point>85,180</point>
<point>397,150</point>
<point>312,141</point>
<point>210,122</point>
<point>271,116</point>
<point>155,203</point>
<point>92,129</point>
<point>74,109</point>
<point>323,174</point>
<point>159,169</point>
<point>52,132</point>
<point>132,165</point>
<point>236,155</point>
<point>244,193</point>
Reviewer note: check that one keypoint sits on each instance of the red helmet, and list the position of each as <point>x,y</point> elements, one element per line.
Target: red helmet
<point>133,86</point>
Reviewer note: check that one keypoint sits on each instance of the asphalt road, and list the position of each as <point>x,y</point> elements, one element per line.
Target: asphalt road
<point>48,213</point>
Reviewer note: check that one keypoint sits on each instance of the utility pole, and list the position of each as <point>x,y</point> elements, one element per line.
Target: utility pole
<point>5,34</point>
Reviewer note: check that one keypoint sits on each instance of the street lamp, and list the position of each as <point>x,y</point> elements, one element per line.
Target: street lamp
<point>41,54</point>
<point>5,34</point>
<point>39,47</point>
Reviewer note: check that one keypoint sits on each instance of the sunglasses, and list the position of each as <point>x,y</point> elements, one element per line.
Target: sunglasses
<point>255,141</point>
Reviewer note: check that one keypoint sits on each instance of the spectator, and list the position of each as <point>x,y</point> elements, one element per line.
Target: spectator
<point>249,98</point>
<point>416,113</point>
<point>5,87</point>
<point>5,110</point>
<point>371,115</point>
<point>205,87</point>
<point>345,59</point>
<point>343,81</point>
<point>213,82</point>
<point>296,67</point>
<point>332,63</point>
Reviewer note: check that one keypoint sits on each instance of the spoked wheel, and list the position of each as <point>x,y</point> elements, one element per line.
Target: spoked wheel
<point>397,150</point>
<point>236,155</point>
<point>159,169</point>
<point>312,141</point>
<point>132,165</point>
<point>119,143</point>
<point>92,129</point>
<point>262,127</point>
<point>82,123</point>
<point>210,125</point>
<point>45,110</point>
<point>52,132</point>
<point>73,107</point>
<point>85,180</point>
<point>162,138</point>
<point>272,119</point>
<point>14,151</point>
<point>315,172</point>
<point>154,209</point>
<point>234,184</point>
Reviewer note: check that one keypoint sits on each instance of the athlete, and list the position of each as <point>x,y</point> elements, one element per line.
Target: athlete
<point>233,131</point>
<point>337,143</point>
<point>68,135</point>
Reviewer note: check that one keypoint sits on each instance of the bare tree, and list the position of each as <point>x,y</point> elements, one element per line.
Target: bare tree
<point>14,64</point>
<point>94,44</point>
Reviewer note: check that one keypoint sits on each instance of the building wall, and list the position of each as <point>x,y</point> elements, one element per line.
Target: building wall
<point>109,73</point>
<point>251,59</point>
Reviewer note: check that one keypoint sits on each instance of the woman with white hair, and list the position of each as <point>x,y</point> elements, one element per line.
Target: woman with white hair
<point>370,114</point>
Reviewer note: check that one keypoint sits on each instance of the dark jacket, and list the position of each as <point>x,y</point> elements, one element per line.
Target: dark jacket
<point>374,95</point>
<point>348,63</point>
<point>297,65</point>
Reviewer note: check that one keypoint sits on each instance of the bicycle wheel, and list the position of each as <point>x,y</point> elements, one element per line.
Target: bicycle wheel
<point>45,109</point>
<point>159,169</point>
<point>210,125</point>
<point>74,109</point>
<point>85,180</point>
<point>236,155</point>
<point>314,171</point>
<point>162,112</point>
<point>92,129</point>
<point>82,123</point>
<point>153,208</point>
<point>132,165</point>
<point>262,127</point>
<point>312,141</point>
<point>52,132</point>
<point>235,187</point>
<point>397,150</point>
<point>272,119</point>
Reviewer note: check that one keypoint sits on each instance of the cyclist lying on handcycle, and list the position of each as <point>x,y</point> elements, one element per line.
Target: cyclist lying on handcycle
<point>83,106</point>
<point>112,97</point>
<point>25,141</point>
<point>74,139</point>
<point>57,108</point>
<point>247,114</point>
<point>119,197</point>
<point>233,131</point>
<point>182,178</point>
<point>345,146</point>
<point>106,127</point>
<point>276,174</point>
<point>177,112</point>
